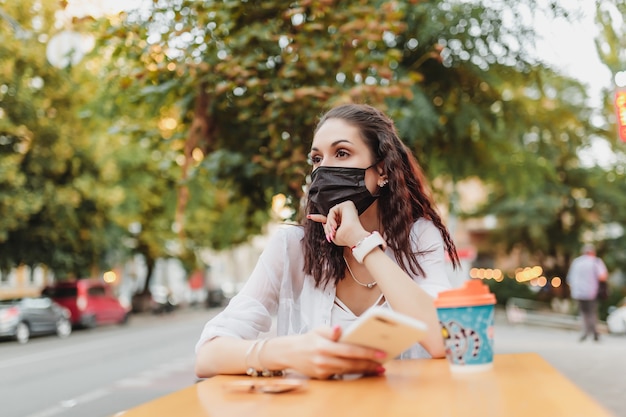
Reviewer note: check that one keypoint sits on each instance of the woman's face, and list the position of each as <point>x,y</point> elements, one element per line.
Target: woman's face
<point>339,144</point>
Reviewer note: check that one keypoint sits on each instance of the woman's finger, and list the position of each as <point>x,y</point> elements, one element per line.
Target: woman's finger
<point>346,350</point>
<point>327,357</point>
<point>330,333</point>
<point>319,218</point>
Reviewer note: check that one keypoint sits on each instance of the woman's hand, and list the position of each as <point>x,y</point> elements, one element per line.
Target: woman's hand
<point>318,354</point>
<point>342,225</point>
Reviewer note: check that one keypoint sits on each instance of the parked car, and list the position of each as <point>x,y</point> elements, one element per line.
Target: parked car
<point>21,318</point>
<point>162,300</point>
<point>216,298</point>
<point>91,302</point>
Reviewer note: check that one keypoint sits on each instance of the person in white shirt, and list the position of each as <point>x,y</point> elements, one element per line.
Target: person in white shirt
<point>583,277</point>
<point>371,236</point>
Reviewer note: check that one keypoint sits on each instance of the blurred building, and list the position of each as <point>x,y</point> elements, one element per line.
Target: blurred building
<point>23,281</point>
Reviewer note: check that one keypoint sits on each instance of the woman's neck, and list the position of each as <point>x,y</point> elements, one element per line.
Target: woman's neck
<point>369,219</point>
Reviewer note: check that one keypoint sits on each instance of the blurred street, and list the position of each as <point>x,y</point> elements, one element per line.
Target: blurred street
<point>99,372</point>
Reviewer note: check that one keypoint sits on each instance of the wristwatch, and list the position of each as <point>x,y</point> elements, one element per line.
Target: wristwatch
<point>366,245</point>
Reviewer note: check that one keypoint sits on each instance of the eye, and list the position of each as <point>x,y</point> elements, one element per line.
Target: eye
<point>315,159</point>
<point>342,153</point>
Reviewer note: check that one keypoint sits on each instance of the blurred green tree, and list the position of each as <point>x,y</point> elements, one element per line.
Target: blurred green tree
<point>611,47</point>
<point>270,69</point>
<point>551,197</point>
<point>189,116</point>
<point>228,94</point>
<point>54,203</point>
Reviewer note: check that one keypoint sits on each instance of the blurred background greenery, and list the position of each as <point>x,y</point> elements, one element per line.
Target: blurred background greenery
<point>171,127</point>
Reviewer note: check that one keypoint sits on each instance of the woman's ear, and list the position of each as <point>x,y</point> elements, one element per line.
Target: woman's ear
<point>382,177</point>
<point>380,168</point>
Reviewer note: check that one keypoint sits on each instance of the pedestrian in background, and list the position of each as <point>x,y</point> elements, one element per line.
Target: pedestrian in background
<point>583,277</point>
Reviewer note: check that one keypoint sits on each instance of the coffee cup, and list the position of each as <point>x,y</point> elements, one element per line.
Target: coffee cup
<point>466,316</point>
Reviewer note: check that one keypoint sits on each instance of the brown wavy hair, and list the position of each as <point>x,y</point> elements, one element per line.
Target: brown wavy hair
<point>401,203</point>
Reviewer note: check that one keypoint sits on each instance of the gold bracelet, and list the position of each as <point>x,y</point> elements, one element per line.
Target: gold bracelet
<point>254,371</point>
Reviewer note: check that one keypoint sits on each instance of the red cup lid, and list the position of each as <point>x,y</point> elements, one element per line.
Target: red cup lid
<point>473,292</point>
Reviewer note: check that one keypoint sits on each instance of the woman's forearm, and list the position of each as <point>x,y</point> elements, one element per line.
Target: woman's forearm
<point>405,296</point>
<point>228,355</point>
<point>222,355</point>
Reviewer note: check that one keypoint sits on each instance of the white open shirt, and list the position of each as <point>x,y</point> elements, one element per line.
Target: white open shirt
<point>278,287</point>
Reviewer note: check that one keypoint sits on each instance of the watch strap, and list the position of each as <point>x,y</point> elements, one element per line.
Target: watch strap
<point>366,245</point>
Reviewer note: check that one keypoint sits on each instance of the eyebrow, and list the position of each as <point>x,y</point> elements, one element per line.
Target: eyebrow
<point>335,143</point>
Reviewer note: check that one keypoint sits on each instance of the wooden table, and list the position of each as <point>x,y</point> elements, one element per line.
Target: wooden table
<point>523,385</point>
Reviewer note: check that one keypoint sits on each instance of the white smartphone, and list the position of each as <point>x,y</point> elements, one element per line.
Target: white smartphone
<point>384,329</point>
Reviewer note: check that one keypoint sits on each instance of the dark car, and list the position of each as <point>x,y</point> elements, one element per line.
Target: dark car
<point>91,302</point>
<point>21,318</point>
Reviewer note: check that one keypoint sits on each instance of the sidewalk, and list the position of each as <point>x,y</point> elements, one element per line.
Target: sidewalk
<point>538,313</point>
<point>598,368</point>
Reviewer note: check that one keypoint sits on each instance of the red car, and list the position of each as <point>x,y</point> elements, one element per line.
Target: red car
<point>91,302</point>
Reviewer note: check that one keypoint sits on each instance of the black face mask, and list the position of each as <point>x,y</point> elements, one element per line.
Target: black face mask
<point>333,185</point>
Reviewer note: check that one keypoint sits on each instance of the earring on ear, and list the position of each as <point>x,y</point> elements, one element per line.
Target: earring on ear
<point>383,182</point>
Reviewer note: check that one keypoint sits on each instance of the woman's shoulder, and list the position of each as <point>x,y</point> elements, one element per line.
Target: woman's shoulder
<point>288,231</point>
<point>424,225</point>
<point>285,235</point>
<point>283,250</point>
<point>426,232</point>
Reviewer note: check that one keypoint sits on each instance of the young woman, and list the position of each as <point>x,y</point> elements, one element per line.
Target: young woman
<point>371,237</point>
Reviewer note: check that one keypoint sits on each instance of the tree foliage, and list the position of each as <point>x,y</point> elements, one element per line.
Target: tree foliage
<point>242,84</point>
<point>189,116</point>
<point>550,199</point>
<point>53,201</point>
<point>611,47</point>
